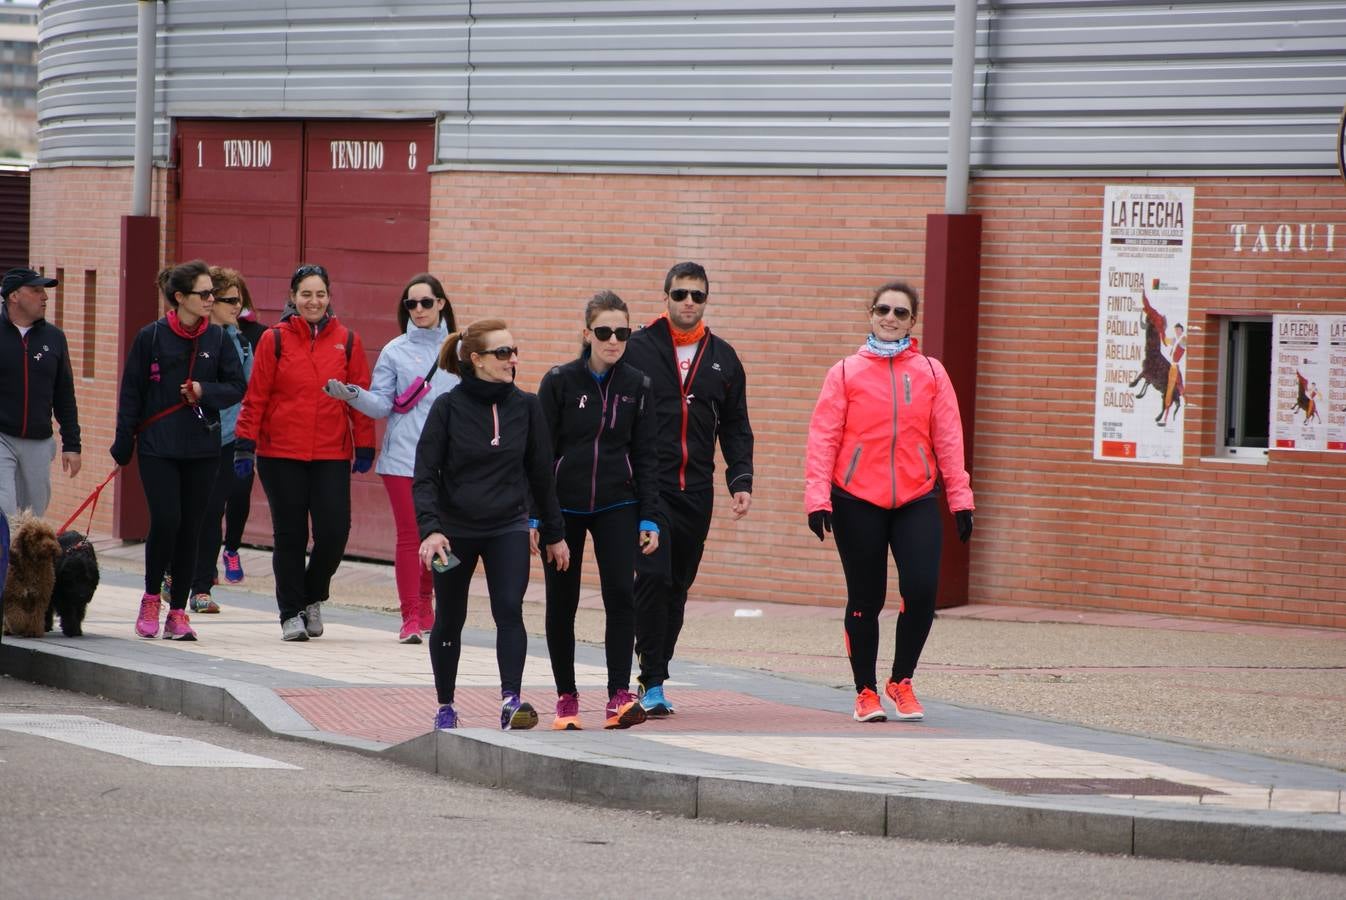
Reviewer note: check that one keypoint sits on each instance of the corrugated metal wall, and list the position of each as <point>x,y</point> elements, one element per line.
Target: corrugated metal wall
<point>1061,86</point>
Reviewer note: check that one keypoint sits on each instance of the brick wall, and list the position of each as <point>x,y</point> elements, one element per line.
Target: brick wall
<point>76,227</point>
<point>792,262</point>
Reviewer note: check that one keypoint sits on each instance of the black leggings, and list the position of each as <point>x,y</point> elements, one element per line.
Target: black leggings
<point>208,546</point>
<point>175,492</point>
<point>865,534</point>
<point>665,576</point>
<point>505,557</point>
<point>297,490</point>
<point>237,510</point>
<point>616,533</point>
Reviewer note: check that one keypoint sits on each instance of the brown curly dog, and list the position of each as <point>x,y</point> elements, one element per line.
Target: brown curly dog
<point>32,575</point>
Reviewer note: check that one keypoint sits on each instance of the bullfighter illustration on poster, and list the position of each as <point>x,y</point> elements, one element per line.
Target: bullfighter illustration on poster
<point>1142,324</point>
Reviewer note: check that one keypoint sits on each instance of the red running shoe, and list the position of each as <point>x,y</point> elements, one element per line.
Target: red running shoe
<point>868,708</point>
<point>909,709</point>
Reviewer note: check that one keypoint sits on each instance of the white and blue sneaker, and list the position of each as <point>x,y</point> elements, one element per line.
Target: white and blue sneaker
<point>446,719</point>
<point>655,704</point>
<point>516,715</point>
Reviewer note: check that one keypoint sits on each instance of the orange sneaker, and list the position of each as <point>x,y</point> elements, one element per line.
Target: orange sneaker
<point>868,708</point>
<point>909,709</point>
<point>567,713</point>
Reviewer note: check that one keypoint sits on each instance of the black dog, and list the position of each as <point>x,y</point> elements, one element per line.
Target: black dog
<point>76,580</point>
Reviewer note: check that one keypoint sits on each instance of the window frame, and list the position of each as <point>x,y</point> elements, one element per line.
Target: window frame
<point>1228,370</point>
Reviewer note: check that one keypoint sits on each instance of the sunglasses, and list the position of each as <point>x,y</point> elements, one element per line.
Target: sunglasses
<point>232,301</point>
<point>425,302</point>
<point>681,294</point>
<point>204,295</point>
<point>882,309</point>
<point>305,271</point>
<point>604,334</point>
<point>502,353</point>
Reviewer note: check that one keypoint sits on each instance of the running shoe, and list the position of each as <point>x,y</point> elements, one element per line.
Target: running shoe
<point>446,718</point>
<point>516,715</point>
<point>177,626</point>
<point>567,713</point>
<point>623,711</point>
<point>909,709</point>
<point>654,702</point>
<point>312,616</point>
<point>868,708</point>
<point>203,603</point>
<point>233,566</point>
<point>292,629</point>
<point>167,588</point>
<point>147,622</point>
<point>410,633</point>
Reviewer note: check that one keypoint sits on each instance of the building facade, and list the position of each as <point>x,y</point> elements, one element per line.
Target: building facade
<point>530,152</point>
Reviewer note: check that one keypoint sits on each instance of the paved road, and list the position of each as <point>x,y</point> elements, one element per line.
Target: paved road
<point>82,822</point>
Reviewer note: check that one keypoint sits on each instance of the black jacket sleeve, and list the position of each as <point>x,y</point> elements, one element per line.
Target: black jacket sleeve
<point>549,396</point>
<point>432,452</point>
<point>736,439</point>
<point>537,462</point>
<point>230,382</point>
<point>63,402</point>
<point>645,457</point>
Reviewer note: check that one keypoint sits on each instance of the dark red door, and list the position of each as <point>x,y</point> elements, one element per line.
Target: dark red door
<point>367,220</point>
<point>264,196</point>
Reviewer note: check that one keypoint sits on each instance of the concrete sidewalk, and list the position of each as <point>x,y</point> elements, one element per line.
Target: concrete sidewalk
<point>753,745</point>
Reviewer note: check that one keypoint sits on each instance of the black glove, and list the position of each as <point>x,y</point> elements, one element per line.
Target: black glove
<point>820,520</point>
<point>963,519</point>
<point>364,460</point>
<point>122,448</point>
<point>245,457</point>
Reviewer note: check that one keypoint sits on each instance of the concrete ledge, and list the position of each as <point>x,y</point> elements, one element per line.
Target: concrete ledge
<point>792,806</point>
<point>937,819</point>
<point>1242,844</point>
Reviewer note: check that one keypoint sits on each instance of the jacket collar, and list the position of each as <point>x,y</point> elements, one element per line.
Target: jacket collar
<point>436,335</point>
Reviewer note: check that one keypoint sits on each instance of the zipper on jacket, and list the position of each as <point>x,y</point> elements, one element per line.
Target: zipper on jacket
<point>598,435</point>
<point>892,450</point>
<point>23,429</point>
<point>495,418</point>
<point>686,397</point>
<point>906,387</point>
<point>925,461</point>
<point>850,470</point>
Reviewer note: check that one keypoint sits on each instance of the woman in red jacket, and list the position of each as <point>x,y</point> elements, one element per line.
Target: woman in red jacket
<point>303,442</point>
<point>886,422</point>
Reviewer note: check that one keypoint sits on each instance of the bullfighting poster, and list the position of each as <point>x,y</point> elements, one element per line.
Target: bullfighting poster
<point>1308,383</point>
<point>1142,323</point>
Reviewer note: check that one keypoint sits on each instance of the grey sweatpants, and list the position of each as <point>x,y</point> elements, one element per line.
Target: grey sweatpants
<point>25,473</point>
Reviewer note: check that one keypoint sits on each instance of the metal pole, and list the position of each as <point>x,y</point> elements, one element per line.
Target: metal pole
<point>960,105</point>
<point>146,25</point>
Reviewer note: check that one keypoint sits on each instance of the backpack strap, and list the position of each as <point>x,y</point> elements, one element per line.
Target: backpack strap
<point>276,332</point>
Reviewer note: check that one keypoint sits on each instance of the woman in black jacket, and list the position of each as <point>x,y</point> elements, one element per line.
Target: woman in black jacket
<point>178,376</point>
<point>483,450</point>
<point>604,456</point>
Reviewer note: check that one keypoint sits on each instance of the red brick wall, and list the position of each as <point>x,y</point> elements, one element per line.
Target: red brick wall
<point>1210,538</point>
<point>76,226</point>
<point>792,261</point>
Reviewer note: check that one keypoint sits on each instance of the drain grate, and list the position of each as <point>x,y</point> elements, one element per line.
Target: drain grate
<point>1131,787</point>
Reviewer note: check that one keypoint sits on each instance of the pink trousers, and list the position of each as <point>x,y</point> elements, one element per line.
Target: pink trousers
<point>415,584</point>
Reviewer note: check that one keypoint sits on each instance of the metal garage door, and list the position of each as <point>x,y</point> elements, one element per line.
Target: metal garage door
<point>354,196</point>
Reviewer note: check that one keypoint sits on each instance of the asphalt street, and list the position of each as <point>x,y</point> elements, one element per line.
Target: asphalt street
<point>82,822</point>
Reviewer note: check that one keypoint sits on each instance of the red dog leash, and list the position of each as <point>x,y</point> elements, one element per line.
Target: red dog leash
<point>92,499</point>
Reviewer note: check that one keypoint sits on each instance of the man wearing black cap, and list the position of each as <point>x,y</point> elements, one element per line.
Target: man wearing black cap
<point>38,381</point>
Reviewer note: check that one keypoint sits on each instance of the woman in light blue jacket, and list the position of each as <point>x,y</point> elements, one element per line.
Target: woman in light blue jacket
<point>231,294</point>
<point>405,384</point>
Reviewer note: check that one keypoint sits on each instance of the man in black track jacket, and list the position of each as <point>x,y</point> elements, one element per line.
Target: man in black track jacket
<point>37,382</point>
<point>700,394</point>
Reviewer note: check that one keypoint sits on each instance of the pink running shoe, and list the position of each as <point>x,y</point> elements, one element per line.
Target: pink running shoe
<point>147,623</point>
<point>176,627</point>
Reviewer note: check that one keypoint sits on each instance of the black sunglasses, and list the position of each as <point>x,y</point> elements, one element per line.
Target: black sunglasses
<point>305,271</point>
<point>232,301</point>
<point>425,302</point>
<point>502,353</point>
<point>202,294</point>
<point>681,294</point>
<point>604,333</point>
<point>883,309</point>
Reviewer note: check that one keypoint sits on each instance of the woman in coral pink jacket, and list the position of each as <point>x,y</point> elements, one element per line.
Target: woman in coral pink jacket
<point>303,442</point>
<point>884,440</point>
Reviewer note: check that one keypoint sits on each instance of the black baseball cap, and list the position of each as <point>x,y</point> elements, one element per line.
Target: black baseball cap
<point>17,278</point>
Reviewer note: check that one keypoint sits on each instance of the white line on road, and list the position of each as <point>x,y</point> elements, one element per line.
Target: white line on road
<point>154,749</point>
